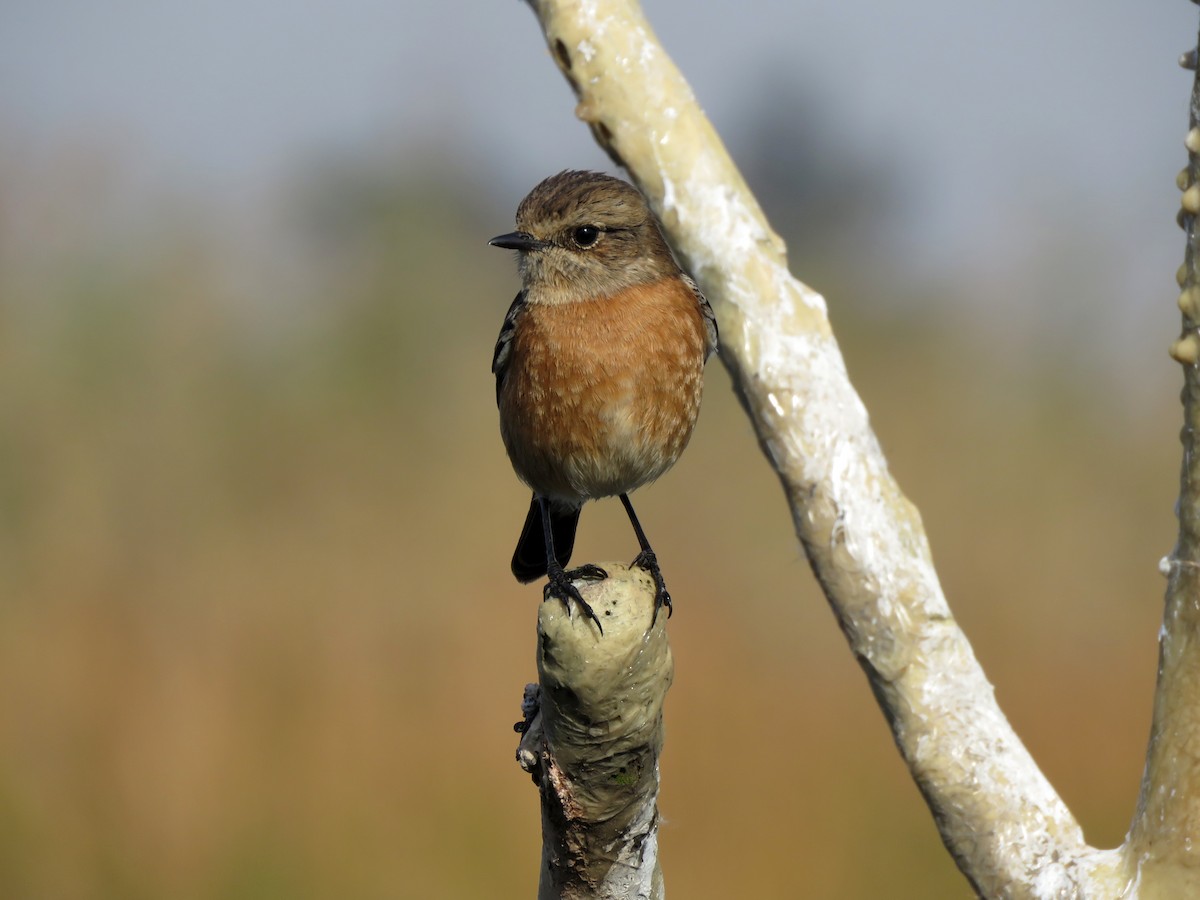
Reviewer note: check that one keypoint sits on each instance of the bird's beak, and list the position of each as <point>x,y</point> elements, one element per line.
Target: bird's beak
<point>517,240</point>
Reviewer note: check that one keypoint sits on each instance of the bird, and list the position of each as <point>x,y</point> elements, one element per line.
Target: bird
<point>599,368</point>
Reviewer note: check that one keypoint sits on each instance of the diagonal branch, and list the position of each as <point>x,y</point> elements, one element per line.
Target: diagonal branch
<point>1005,826</point>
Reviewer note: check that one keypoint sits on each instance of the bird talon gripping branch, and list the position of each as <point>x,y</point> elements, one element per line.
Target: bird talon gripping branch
<point>599,366</point>
<point>649,562</point>
<point>586,572</point>
<point>559,586</point>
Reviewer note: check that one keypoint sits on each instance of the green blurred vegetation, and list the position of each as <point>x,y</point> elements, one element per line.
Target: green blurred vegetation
<point>258,638</point>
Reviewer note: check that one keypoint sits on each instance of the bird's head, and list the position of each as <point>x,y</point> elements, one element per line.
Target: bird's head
<point>584,234</point>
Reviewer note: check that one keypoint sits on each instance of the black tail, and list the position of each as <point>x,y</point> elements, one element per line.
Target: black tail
<point>529,559</point>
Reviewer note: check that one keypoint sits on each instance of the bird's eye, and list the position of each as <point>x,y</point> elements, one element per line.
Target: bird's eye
<point>586,235</point>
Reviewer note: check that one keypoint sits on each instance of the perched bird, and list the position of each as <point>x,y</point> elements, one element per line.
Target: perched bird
<point>599,366</point>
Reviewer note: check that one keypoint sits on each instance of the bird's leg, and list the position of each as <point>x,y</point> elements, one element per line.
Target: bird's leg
<point>559,581</point>
<point>648,561</point>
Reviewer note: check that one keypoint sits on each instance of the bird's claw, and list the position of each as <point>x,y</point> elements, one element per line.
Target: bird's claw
<point>559,586</point>
<point>588,572</point>
<point>662,597</point>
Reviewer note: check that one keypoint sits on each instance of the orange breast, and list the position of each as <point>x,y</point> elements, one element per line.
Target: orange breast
<point>600,396</point>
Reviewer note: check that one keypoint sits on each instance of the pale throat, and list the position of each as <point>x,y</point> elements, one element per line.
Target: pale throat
<point>555,281</point>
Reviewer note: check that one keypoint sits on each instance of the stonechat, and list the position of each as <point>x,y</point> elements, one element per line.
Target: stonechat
<point>599,366</point>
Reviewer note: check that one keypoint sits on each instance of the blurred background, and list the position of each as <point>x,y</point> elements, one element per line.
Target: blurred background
<point>258,636</point>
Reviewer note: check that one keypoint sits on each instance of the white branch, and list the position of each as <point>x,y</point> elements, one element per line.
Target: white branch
<point>1005,826</point>
<point>593,746</point>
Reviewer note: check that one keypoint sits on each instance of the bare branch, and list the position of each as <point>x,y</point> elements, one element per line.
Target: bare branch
<point>593,746</point>
<point>1163,838</point>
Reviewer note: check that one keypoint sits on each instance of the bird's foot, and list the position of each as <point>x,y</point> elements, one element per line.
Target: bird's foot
<point>588,572</point>
<point>559,586</point>
<point>662,597</point>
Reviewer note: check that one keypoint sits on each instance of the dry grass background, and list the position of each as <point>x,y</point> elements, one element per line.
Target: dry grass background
<point>258,638</point>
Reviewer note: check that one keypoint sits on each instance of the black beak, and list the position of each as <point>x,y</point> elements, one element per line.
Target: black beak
<point>517,240</point>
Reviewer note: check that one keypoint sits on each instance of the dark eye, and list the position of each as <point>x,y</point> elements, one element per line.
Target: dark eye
<point>586,235</point>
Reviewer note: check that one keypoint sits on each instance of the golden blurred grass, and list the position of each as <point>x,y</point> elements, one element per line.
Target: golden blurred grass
<point>258,638</point>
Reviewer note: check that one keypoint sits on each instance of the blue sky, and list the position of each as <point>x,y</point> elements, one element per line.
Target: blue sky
<point>1015,121</point>
<point>982,94</point>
